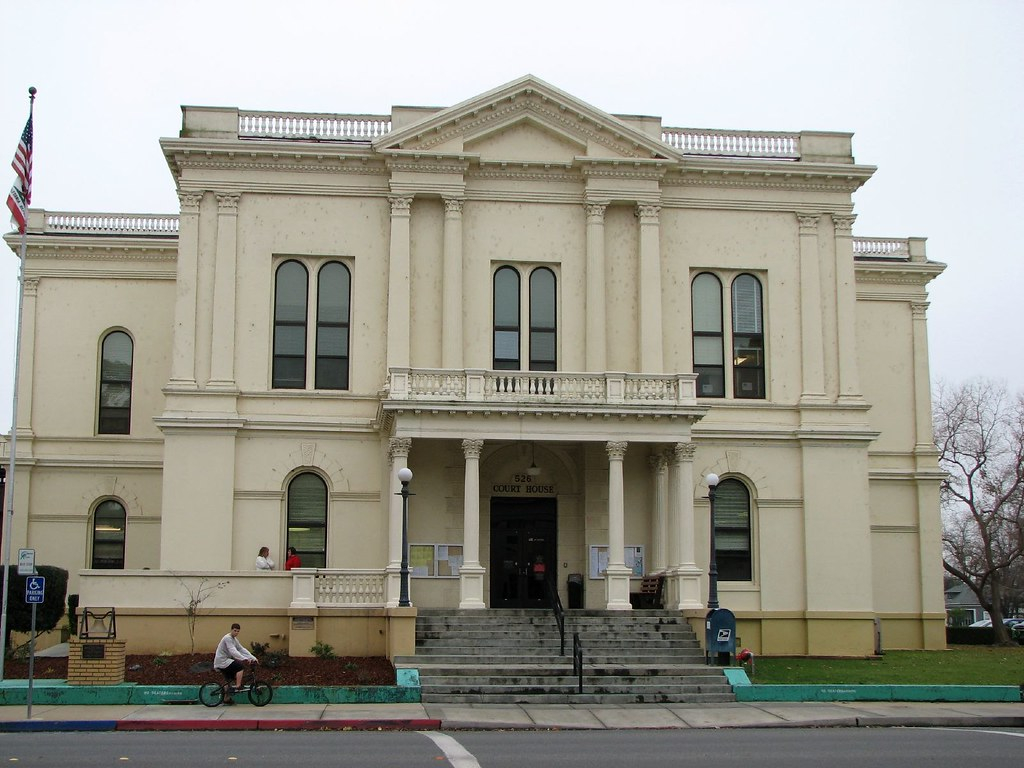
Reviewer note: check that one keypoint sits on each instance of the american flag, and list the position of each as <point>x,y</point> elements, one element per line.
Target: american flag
<point>21,193</point>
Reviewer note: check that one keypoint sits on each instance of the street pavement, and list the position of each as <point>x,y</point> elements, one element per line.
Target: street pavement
<point>48,717</point>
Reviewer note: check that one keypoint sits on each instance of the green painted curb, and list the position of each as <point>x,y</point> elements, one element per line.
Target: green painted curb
<point>745,691</point>
<point>15,692</point>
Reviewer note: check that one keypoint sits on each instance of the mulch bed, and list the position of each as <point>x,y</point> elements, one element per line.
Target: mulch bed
<point>194,669</point>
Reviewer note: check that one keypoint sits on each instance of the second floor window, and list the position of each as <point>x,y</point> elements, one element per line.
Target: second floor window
<point>744,336</point>
<point>542,339</point>
<point>292,323</point>
<point>115,402</point>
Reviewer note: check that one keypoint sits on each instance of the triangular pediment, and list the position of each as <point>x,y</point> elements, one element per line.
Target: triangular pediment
<point>525,120</point>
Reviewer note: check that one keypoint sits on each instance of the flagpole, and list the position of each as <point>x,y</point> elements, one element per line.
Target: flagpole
<point>8,520</point>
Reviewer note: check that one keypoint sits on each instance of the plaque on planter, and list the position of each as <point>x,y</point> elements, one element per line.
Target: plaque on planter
<point>93,650</point>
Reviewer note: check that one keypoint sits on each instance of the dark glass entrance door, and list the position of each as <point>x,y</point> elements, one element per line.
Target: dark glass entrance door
<point>523,551</point>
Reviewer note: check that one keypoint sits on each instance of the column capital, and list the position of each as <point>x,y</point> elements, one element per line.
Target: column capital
<point>399,447</point>
<point>843,224</point>
<point>616,449</point>
<point>471,448</point>
<point>808,223</point>
<point>648,212</point>
<point>657,461</point>
<point>190,202</point>
<point>919,310</point>
<point>400,206</point>
<point>227,203</point>
<point>684,451</point>
<point>595,211</point>
<point>454,205</point>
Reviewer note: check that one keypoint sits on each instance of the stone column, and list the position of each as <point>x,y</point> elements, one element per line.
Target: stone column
<point>451,308</point>
<point>846,310</point>
<point>685,575</point>
<point>398,457</point>
<point>922,383</point>
<point>183,343</point>
<point>617,575</point>
<point>659,534</point>
<point>596,345</point>
<point>222,352</point>
<point>649,299</point>
<point>471,575</point>
<point>399,289</point>
<point>812,349</point>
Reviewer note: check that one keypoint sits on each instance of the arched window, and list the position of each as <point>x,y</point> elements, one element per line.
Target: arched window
<point>708,356</point>
<point>542,320</point>
<point>332,324</point>
<point>732,531</point>
<point>506,319</point>
<point>290,296</point>
<point>115,411</point>
<point>108,529</point>
<point>307,519</point>
<point>747,338</point>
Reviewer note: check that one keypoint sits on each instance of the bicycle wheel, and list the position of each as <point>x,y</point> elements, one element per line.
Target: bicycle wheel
<point>211,694</point>
<point>260,694</point>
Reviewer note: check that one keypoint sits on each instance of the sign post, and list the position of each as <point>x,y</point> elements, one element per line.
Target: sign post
<point>35,591</point>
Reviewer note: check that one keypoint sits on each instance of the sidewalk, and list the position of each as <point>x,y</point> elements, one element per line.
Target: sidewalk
<point>49,717</point>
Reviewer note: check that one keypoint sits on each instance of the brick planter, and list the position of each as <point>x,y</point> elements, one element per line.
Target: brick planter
<point>95,662</point>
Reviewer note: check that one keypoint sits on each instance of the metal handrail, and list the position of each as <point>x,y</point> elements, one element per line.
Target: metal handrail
<point>556,606</point>
<point>577,660</point>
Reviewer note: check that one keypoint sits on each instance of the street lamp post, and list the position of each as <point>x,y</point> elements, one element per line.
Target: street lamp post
<point>405,476</point>
<point>712,481</point>
<point>3,493</point>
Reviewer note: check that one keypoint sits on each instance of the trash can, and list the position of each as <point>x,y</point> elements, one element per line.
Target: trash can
<point>575,587</point>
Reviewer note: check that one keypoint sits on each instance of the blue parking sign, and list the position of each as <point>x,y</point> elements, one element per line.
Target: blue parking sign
<point>35,588</point>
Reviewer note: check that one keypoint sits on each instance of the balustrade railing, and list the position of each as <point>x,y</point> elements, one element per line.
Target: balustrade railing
<point>59,222</point>
<point>350,588</point>
<point>697,141</point>
<point>881,248</point>
<point>278,125</point>
<point>510,387</point>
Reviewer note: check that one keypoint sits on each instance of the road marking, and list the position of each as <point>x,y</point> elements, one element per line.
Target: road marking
<point>455,752</point>
<point>982,730</point>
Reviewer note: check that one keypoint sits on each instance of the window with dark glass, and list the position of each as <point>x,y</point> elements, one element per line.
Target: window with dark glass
<point>708,354</point>
<point>290,297</point>
<point>307,519</point>
<point>115,411</point>
<point>108,533</point>
<point>332,326</point>
<point>732,531</point>
<point>542,320</point>
<point>747,338</point>
<point>506,319</point>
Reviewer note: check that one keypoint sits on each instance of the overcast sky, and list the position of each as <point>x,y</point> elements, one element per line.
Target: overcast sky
<point>933,91</point>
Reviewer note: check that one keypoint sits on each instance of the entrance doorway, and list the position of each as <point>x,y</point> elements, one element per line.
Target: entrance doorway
<point>524,536</point>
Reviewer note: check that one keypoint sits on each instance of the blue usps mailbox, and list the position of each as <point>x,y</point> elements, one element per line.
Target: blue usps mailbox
<point>719,636</point>
<point>35,589</point>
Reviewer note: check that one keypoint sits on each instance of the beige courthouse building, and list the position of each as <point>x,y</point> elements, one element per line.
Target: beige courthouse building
<point>560,319</point>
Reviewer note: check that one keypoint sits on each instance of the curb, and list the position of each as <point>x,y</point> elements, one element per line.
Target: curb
<point>26,726</point>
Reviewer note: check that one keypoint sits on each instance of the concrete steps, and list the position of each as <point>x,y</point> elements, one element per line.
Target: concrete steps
<point>506,656</point>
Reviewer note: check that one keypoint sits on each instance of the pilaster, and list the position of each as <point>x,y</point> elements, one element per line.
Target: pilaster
<point>685,576</point>
<point>846,310</point>
<point>399,288</point>
<point>812,346</point>
<point>650,342</point>
<point>222,352</point>
<point>451,308</point>
<point>471,575</point>
<point>183,351</point>
<point>596,339</point>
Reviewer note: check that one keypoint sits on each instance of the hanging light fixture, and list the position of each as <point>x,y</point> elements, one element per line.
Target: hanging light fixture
<point>534,470</point>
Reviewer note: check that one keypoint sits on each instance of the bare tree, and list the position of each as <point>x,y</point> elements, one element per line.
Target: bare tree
<point>197,595</point>
<point>979,431</point>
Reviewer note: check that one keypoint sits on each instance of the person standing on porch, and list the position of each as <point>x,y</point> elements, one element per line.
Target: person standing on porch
<point>263,561</point>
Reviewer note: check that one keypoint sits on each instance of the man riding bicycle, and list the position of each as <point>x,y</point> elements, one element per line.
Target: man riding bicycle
<point>231,658</point>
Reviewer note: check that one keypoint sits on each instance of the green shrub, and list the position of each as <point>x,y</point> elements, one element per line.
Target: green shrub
<point>48,613</point>
<point>322,650</point>
<point>970,636</point>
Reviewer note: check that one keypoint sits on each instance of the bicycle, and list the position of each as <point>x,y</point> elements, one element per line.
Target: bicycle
<point>260,692</point>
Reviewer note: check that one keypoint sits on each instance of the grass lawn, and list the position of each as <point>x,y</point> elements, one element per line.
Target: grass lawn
<point>959,665</point>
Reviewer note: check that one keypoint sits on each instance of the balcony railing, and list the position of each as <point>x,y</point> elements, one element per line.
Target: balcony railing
<point>699,141</point>
<point>535,387</point>
<point>278,125</point>
<point>65,223</point>
<point>881,248</point>
<point>338,588</point>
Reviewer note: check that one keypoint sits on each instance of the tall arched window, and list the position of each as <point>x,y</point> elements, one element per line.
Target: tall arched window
<point>108,534</point>
<point>747,338</point>
<point>708,356</point>
<point>290,296</point>
<point>732,531</point>
<point>542,320</point>
<point>332,324</point>
<point>506,319</point>
<point>115,411</point>
<point>307,519</point>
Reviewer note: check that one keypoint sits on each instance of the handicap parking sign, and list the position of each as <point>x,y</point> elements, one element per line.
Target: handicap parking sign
<point>35,588</point>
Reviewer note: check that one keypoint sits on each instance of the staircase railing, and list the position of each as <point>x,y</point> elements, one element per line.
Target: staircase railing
<point>577,660</point>
<point>556,606</point>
